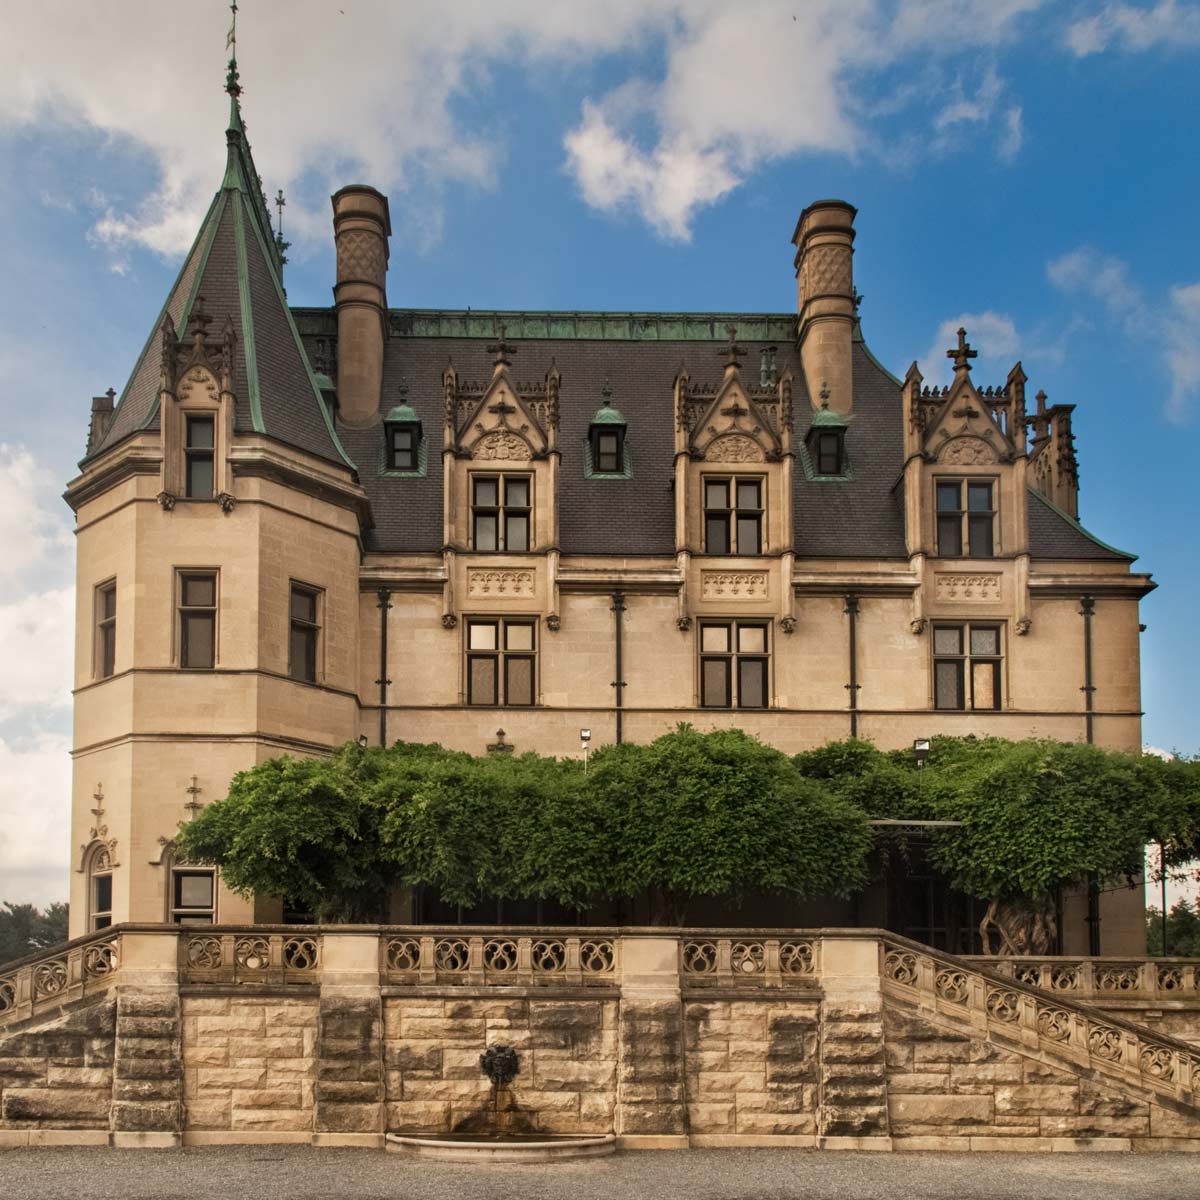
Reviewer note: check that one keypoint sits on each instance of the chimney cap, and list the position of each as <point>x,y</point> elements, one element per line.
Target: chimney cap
<point>844,205</point>
<point>363,189</point>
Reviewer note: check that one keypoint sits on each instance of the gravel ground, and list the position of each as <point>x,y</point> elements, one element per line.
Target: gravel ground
<point>301,1173</point>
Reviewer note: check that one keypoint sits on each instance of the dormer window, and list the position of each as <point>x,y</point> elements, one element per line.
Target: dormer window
<point>403,431</point>
<point>606,440</point>
<point>829,452</point>
<point>826,444</point>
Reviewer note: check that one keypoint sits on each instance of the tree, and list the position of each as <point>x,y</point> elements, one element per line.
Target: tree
<point>25,930</point>
<point>1183,930</point>
<point>721,814</point>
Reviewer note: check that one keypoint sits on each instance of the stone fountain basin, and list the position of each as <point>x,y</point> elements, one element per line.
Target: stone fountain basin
<point>479,1148</point>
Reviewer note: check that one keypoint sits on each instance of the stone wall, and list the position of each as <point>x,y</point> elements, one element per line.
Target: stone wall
<point>249,1062</point>
<point>568,1052</point>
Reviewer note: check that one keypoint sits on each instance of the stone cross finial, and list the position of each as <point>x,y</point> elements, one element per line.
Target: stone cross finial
<point>824,394</point>
<point>606,392</point>
<point>962,353</point>
<point>502,349</point>
<point>733,351</point>
<point>192,805</point>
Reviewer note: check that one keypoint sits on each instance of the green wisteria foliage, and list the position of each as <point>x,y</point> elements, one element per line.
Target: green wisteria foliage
<point>689,815</point>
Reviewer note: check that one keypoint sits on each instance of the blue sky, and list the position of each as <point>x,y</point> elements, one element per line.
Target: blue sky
<point>1028,169</point>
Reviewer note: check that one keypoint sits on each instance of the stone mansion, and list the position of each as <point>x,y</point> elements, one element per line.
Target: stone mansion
<point>300,526</point>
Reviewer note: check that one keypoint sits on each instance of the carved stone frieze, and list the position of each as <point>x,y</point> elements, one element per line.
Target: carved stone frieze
<point>360,256</point>
<point>734,448</point>
<point>967,452</point>
<point>733,585</point>
<point>198,383</point>
<point>502,445</point>
<point>492,582</point>
<point>962,588</point>
<point>826,271</point>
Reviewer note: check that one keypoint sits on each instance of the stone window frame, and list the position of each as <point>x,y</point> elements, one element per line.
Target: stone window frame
<point>97,868</point>
<point>733,657</point>
<point>182,575</point>
<point>966,660</point>
<point>178,913</point>
<point>314,626</point>
<point>501,510</point>
<point>729,513</point>
<point>104,653</point>
<point>500,655</point>
<point>962,516</point>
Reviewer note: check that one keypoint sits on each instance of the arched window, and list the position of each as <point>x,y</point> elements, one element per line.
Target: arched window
<point>100,888</point>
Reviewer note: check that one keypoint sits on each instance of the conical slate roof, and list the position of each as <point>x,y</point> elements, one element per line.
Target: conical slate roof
<point>235,265</point>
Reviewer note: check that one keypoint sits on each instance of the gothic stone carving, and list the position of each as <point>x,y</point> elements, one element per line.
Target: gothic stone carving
<point>485,581</point>
<point>968,589</point>
<point>826,271</point>
<point>733,585</point>
<point>734,448</point>
<point>967,452</point>
<point>502,445</point>
<point>198,378</point>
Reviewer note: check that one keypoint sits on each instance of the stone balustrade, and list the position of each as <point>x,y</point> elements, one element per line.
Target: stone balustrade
<point>157,1035</point>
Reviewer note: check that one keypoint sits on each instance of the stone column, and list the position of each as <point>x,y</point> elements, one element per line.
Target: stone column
<point>349,1087</point>
<point>651,1100</point>
<point>147,1103</point>
<point>853,1111</point>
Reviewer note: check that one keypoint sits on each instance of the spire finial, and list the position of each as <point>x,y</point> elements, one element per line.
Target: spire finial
<point>606,392</point>
<point>962,353</point>
<point>824,394</point>
<point>501,349</point>
<point>732,352</point>
<point>232,86</point>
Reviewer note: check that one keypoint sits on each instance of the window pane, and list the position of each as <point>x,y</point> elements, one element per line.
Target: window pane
<point>481,680</point>
<point>947,639</point>
<point>752,639</point>
<point>108,650</point>
<point>947,497</point>
<point>200,433</point>
<point>607,462</point>
<point>304,605</point>
<point>108,602</point>
<point>485,531</point>
<point>714,682</point>
<point>518,636</point>
<point>516,532</point>
<point>516,492</point>
<point>985,640</point>
<point>716,494</point>
<point>828,458</point>
<point>197,640</point>
<point>486,493</point>
<point>481,635</point>
<point>194,919</point>
<point>199,591</point>
<point>983,684</point>
<point>748,535</point>
<point>101,922</point>
<point>980,534</point>
<point>303,652</point>
<point>402,439</point>
<point>194,890</point>
<point>752,683</point>
<point>608,443</point>
<point>199,475</point>
<point>102,894</point>
<point>518,686</point>
<point>979,497</point>
<point>947,685</point>
<point>716,535</point>
<point>714,639</point>
<point>749,494</point>
<point>949,535</point>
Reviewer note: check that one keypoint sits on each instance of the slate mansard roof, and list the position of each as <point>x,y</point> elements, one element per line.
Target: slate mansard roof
<point>639,355</point>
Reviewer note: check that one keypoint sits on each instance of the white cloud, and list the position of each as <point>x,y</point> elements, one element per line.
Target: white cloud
<point>34,529</point>
<point>1013,137</point>
<point>738,86</point>
<point>37,632</point>
<point>993,334</point>
<point>35,816</point>
<point>1135,27</point>
<point>1171,326</point>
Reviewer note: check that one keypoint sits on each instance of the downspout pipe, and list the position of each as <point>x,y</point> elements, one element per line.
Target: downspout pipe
<point>618,608</point>
<point>852,687</point>
<point>385,603</point>
<point>1087,609</point>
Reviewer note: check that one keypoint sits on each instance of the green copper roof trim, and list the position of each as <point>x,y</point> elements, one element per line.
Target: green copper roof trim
<point>858,337</point>
<point>318,399</point>
<point>1074,523</point>
<point>577,325</point>
<point>607,415</point>
<point>590,472</point>
<point>402,412</point>
<point>244,303</point>
<point>826,418</point>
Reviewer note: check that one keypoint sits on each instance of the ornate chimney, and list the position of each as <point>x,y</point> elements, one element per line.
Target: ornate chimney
<point>361,228</point>
<point>824,241</point>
